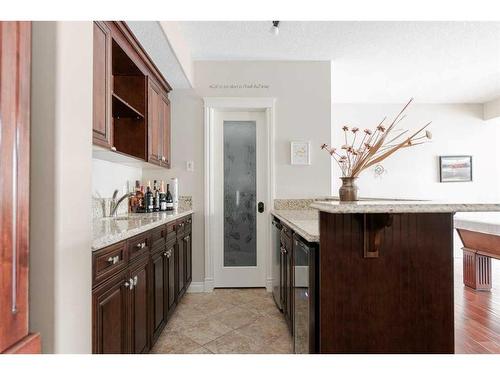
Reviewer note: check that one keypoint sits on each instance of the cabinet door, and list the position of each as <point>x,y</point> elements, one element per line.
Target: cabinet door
<point>109,311</point>
<point>102,130</point>
<point>283,278</point>
<point>159,285</point>
<point>15,56</point>
<point>155,120</point>
<point>188,254</point>
<point>165,131</point>
<point>139,338</point>
<point>180,267</point>
<point>289,288</point>
<point>171,261</point>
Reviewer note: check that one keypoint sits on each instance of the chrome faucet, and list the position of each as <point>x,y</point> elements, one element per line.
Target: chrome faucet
<point>115,203</point>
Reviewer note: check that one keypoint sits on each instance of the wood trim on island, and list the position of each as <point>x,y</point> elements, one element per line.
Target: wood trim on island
<point>398,302</point>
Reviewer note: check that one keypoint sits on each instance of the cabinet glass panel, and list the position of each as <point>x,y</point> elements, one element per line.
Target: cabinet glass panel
<point>240,220</point>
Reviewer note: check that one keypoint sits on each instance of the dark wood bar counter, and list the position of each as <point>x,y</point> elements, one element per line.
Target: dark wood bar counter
<point>386,276</point>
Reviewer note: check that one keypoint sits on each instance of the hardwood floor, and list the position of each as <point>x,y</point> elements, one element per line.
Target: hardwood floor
<point>477,315</point>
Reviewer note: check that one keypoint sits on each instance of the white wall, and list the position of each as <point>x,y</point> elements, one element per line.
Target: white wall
<point>187,145</point>
<point>60,188</point>
<point>303,96</point>
<point>303,106</point>
<point>458,129</point>
<point>108,176</point>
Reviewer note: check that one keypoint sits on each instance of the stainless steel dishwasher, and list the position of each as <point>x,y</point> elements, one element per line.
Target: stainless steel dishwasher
<point>275,267</point>
<point>303,307</point>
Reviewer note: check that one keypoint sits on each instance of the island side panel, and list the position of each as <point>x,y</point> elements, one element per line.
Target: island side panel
<point>400,302</point>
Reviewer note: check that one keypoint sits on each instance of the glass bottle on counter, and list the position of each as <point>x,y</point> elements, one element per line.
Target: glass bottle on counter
<point>149,198</point>
<point>163,197</point>
<point>170,200</point>
<point>156,197</point>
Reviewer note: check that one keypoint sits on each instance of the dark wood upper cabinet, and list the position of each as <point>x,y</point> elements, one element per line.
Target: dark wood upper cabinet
<point>15,69</point>
<point>158,126</point>
<point>101,125</point>
<point>131,106</point>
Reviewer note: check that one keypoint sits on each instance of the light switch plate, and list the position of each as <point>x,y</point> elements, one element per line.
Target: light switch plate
<point>190,166</point>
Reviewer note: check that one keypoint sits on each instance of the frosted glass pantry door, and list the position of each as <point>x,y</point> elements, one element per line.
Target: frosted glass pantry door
<point>241,179</point>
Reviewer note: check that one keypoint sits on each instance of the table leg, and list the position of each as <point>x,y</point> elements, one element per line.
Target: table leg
<point>477,270</point>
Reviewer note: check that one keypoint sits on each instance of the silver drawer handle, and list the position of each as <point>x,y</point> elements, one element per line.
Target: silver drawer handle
<point>113,260</point>
<point>141,245</point>
<point>113,148</point>
<point>129,284</point>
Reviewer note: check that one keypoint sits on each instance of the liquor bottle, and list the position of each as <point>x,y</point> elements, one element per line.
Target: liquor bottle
<point>156,197</point>
<point>142,204</point>
<point>149,198</point>
<point>163,198</point>
<point>170,201</point>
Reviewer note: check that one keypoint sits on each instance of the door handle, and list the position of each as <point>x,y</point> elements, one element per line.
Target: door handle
<point>260,207</point>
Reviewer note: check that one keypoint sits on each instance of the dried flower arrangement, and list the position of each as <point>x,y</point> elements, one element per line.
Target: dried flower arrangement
<point>375,145</point>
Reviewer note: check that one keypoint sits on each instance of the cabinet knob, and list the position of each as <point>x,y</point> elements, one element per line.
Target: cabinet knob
<point>129,284</point>
<point>165,253</point>
<point>113,148</point>
<point>135,280</point>
<point>141,245</point>
<point>163,158</point>
<point>113,260</point>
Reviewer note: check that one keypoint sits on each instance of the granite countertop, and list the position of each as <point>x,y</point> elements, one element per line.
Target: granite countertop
<point>401,206</point>
<point>304,222</point>
<point>109,230</point>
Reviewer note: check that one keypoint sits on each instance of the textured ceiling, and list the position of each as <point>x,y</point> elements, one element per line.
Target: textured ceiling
<point>151,36</point>
<point>435,62</point>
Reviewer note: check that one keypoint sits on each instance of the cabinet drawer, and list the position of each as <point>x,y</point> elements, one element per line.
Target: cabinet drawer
<point>108,261</point>
<point>158,237</point>
<point>171,230</point>
<point>181,226</point>
<point>286,231</point>
<point>139,245</point>
<point>188,224</point>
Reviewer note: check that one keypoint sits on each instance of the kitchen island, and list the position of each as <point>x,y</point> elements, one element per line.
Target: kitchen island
<point>386,276</point>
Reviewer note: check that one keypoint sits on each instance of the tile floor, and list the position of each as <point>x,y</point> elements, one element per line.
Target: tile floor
<point>226,321</point>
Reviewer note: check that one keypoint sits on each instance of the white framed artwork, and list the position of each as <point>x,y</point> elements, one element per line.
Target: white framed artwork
<point>300,152</point>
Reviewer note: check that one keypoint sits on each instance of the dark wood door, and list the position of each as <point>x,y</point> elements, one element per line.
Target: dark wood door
<point>139,331</point>
<point>155,121</point>
<point>171,261</point>
<point>181,266</point>
<point>15,68</point>
<point>165,131</point>
<point>101,125</point>
<point>188,253</point>
<point>110,304</point>
<point>159,285</point>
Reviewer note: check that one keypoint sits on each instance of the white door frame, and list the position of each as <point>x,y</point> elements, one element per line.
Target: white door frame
<point>211,105</point>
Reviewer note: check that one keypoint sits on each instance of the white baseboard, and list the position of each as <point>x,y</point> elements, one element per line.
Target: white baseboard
<point>269,284</point>
<point>196,287</point>
<point>209,285</point>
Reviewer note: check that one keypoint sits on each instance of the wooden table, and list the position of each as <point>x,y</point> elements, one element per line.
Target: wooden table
<point>480,235</point>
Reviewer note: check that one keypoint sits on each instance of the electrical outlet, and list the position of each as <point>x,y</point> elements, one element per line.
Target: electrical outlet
<point>190,166</point>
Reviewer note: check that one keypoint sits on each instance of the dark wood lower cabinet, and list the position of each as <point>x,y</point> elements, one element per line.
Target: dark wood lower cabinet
<point>132,305</point>
<point>139,307</point>
<point>110,316</point>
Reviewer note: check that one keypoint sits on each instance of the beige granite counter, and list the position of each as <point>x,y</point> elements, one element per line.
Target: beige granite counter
<point>109,230</point>
<point>401,206</point>
<point>304,222</point>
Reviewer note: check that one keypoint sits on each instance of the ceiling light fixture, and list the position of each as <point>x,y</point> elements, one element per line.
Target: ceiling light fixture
<point>275,28</point>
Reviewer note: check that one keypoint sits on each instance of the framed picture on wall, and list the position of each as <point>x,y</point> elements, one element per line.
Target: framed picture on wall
<point>455,168</point>
<point>300,153</point>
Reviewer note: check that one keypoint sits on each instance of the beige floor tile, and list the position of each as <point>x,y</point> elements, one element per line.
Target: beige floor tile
<point>226,321</point>
<point>205,331</point>
<point>234,342</point>
<point>236,317</point>
<point>174,343</point>
<point>265,330</point>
